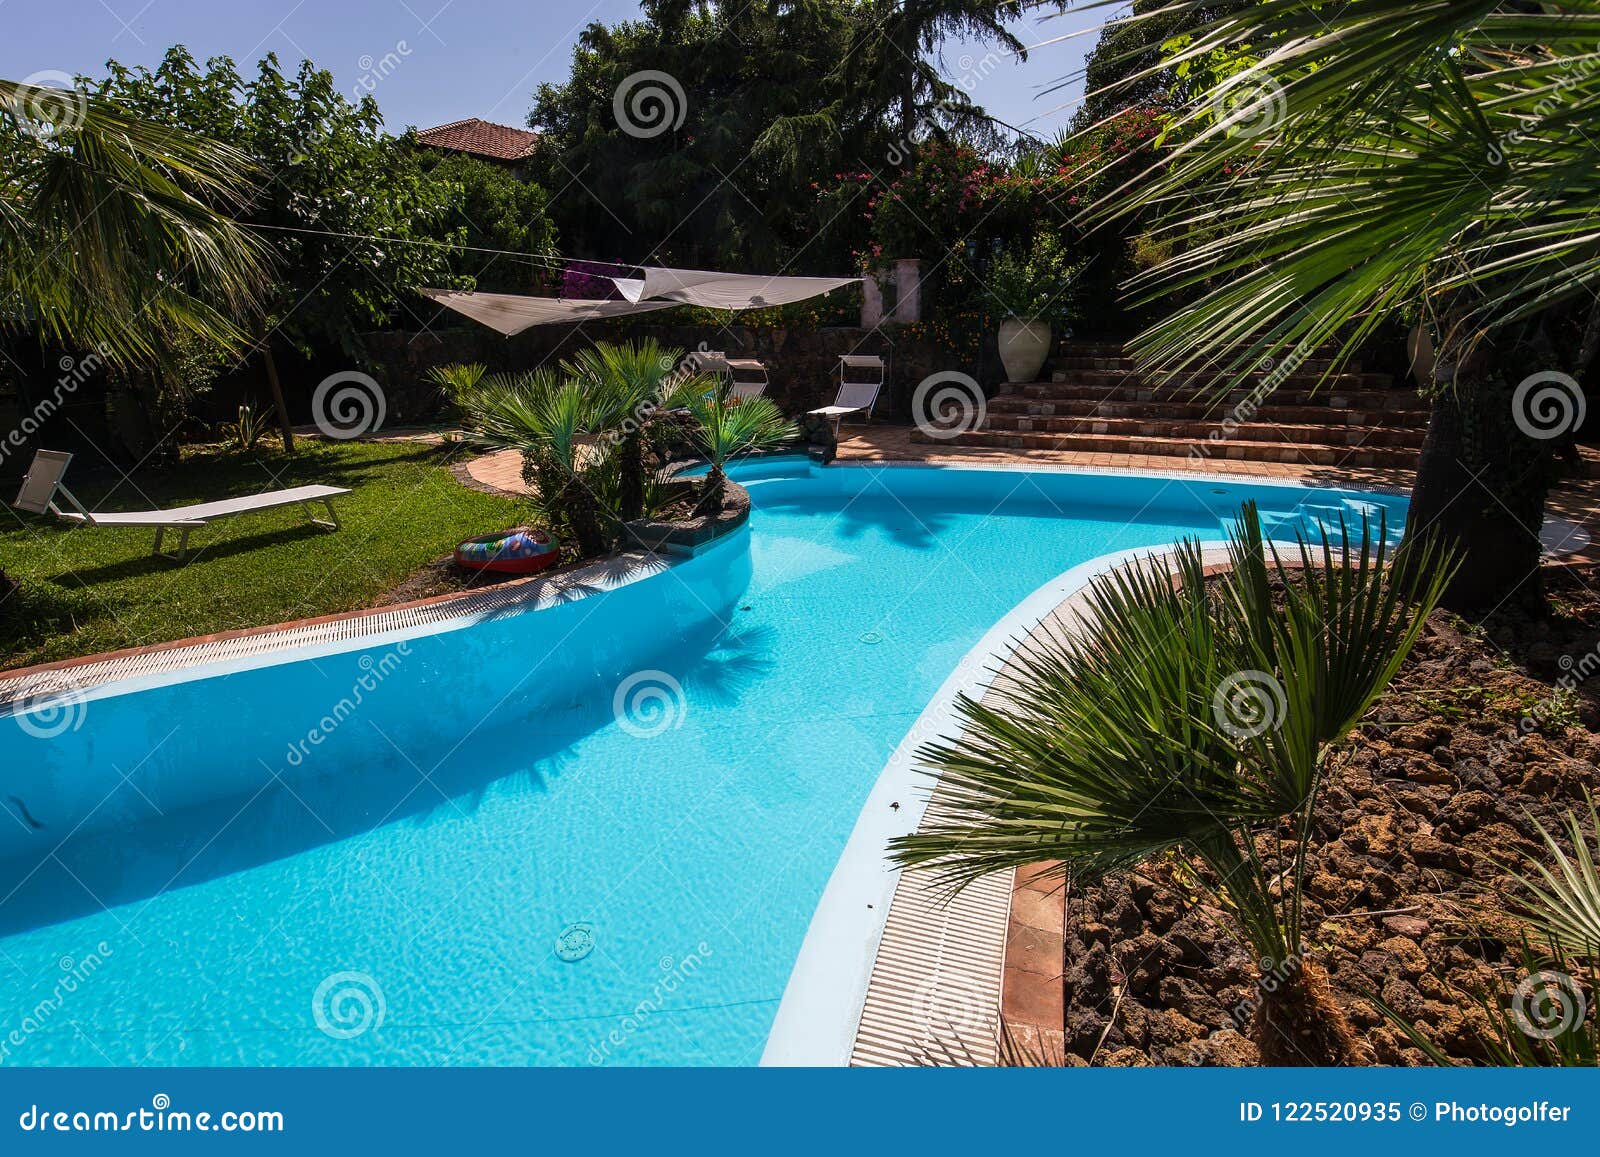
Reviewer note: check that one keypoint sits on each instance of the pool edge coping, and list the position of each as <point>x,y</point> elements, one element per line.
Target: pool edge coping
<point>820,1013</point>
<point>226,652</point>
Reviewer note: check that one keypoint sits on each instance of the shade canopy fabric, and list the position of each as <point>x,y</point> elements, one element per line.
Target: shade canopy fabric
<point>512,313</point>
<point>658,289</point>
<point>713,290</point>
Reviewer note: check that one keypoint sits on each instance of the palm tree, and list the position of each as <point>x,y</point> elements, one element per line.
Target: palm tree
<point>724,428</point>
<point>114,230</point>
<point>1346,165</point>
<point>1192,721</point>
<point>114,234</point>
<point>628,382</point>
<point>547,418</point>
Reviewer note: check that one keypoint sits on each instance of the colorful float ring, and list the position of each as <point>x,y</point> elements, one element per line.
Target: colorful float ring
<point>520,550</point>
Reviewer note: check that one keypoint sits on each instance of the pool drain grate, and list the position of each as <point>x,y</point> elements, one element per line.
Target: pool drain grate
<point>575,942</point>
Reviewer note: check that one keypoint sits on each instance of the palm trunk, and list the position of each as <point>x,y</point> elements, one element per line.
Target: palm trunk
<point>714,492</point>
<point>275,389</point>
<point>1481,486</point>
<point>1298,1022</point>
<point>631,499</point>
<point>584,518</point>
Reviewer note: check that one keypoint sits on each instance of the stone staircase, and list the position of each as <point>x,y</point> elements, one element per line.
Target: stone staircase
<point>1099,404</point>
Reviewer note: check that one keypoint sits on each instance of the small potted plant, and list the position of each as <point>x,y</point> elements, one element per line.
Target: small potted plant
<point>1035,288</point>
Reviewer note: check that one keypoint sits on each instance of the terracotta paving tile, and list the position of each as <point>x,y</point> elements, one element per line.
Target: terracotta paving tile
<point>1029,998</point>
<point>1037,910</point>
<point>1035,950</point>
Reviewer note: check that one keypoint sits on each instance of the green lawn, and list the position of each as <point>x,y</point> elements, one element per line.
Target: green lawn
<point>85,590</point>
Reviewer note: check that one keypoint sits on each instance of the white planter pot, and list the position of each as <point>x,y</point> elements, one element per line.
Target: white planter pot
<point>1023,347</point>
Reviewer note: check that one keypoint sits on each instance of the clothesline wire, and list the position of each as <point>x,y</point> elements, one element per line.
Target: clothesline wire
<point>551,259</point>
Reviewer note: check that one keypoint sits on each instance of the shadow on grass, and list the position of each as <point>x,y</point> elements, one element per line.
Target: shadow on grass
<point>200,552</point>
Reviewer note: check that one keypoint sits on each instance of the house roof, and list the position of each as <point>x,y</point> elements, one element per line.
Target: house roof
<point>482,139</point>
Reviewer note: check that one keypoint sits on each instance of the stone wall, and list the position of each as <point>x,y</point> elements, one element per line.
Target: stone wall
<point>801,362</point>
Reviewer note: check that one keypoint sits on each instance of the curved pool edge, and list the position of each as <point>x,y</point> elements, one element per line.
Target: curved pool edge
<point>821,1009</point>
<point>207,656</point>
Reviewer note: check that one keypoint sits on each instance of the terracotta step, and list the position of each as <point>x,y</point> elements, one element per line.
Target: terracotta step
<point>1312,367</point>
<point>1366,399</point>
<point>1211,383</point>
<point>1314,434</point>
<point>1115,407</point>
<point>1191,448</point>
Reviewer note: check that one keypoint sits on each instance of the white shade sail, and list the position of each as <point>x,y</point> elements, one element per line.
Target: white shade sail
<point>512,313</point>
<point>713,290</point>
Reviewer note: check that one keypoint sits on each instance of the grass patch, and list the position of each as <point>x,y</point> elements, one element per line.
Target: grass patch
<point>85,590</point>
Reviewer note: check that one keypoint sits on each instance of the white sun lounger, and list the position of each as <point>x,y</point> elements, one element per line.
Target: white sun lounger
<point>747,378</point>
<point>43,484</point>
<point>861,379</point>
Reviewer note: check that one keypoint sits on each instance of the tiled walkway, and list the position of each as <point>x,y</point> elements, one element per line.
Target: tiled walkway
<point>501,471</point>
<point>880,442</point>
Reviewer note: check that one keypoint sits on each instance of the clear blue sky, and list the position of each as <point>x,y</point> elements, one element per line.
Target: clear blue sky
<point>448,59</point>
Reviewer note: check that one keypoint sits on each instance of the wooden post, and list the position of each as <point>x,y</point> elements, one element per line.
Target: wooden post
<point>276,387</point>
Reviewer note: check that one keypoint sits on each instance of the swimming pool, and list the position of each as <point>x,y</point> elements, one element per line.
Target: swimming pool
<point>594,833</point>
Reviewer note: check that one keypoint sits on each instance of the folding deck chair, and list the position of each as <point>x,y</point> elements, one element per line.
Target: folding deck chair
<point>746,377</point>
<point>43,484</point>
<point>861,378</point>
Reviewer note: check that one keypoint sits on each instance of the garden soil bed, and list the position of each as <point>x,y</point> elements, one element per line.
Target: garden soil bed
<point>1424,805</point>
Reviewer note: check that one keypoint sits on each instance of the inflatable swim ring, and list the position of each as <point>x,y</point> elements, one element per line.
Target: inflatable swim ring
<point>521,550</point>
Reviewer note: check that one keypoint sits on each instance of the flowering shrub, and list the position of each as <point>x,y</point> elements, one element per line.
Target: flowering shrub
<point>589,280</point>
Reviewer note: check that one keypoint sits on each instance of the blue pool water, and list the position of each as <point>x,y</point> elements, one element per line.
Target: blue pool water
<point>388,855</point>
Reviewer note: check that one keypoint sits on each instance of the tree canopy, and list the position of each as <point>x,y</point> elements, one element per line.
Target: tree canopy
<point>697,134</point>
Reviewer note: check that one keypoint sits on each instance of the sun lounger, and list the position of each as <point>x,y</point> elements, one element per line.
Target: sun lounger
<point>747,378</point>
<point>861,378</point>
<point>43,484</point>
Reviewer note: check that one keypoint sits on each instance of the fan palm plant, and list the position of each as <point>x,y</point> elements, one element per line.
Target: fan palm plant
<point>1192,721</point>
<point>628,382</point>
<point>548,419</point>
<point>725,428</point>
<point>114,229</point>
<point>1339,166</point>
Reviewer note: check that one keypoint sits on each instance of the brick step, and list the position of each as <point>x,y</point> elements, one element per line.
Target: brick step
<point>1212,382</point>
<point>1290,452</point>
<point>1342,399</point>
<point>1315,434</point>
<point>1311,415</point>
<point>1312,367</point>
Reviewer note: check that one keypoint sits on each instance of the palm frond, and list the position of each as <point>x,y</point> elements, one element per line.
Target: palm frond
<point>116,228</point>
<point>1393,152</point>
